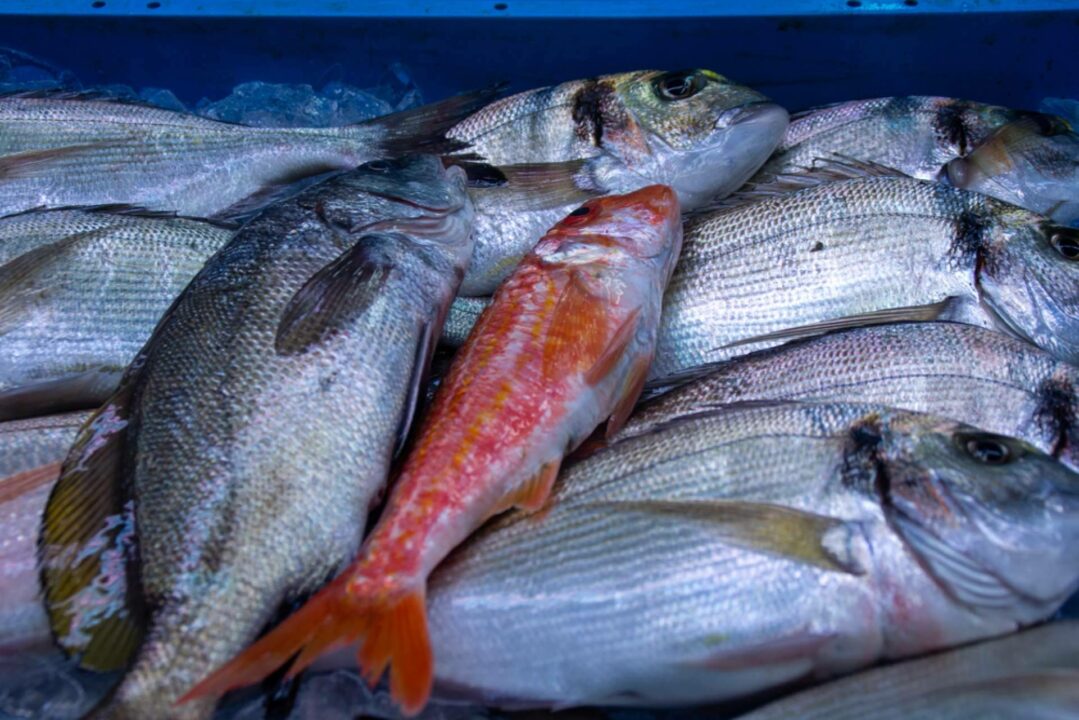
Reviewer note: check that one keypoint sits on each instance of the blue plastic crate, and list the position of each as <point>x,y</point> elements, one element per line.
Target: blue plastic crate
<point>801,52</point>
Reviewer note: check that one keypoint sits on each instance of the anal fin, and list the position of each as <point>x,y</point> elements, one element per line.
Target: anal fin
<point>532,494</point>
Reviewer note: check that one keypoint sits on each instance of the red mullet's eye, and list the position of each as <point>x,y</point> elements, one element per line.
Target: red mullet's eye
<point>581,211</point>
<point>578,216</point>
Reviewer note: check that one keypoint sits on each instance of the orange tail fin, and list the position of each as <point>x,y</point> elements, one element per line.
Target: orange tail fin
<point>394,633</point>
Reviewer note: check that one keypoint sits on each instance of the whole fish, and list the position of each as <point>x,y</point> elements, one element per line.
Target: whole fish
<point>80,292</point>
<point>739,550</point>
<point>253,431</point>
<point>1034,674</point>
<point>72,150</point>
<point>1035,157</point>
<point>30,456</point>
<point>565,345</point>
<point>853,245</point>
<point>967,373</point>
<point>693,130</point>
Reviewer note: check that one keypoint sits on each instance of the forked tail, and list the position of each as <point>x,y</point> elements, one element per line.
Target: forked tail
<point>394,632</point>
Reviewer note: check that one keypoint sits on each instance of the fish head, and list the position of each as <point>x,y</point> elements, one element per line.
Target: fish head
<point>992,519</point>
<point>413,194</point>
<point>696,131</point>
<point>1028,275</point>
<point>1032,162</point>
<point>644,225</point>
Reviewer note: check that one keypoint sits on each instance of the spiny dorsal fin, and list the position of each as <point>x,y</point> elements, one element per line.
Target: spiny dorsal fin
<point>833,168</point>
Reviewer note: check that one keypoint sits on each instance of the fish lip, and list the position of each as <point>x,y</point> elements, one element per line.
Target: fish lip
<point>443,210</point>
<point>756,111</point>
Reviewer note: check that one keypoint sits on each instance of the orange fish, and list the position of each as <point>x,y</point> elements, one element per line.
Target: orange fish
<point>566,343</point>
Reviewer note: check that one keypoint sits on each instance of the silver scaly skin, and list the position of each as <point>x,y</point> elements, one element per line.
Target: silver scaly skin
<point>62,150</point>
<point>80,292</point>
<point>860,249</point>
<point>736,551</point>
<point>30,456</point>
<point>1023,157</point>
<point>1032,675</point>
<point>258,425</point>
<point>694,130</point>
<point>963,372</point>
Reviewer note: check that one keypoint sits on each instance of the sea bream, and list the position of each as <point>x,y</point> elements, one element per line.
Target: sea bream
<point>739,550</point>
<point>1027,158</point>
<point>234,467</point>
<point>565,345</point>
<point>59,150</point>
<point>81,289</point>
<point>555,147</point>
<point>852,245</point>
<point>967,373</point>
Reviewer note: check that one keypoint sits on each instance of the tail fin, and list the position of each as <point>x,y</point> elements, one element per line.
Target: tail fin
<point>423,129</point>
<point>394,632</point>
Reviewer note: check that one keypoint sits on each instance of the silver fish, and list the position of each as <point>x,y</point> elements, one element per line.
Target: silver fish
<point>736,551</point>
<point>253,431</point>
<point>557,146</point>
<point>62,150</point>
<point>1031,676</point>
<point>854,245</point>
<point>30,455</point>
<point>1027,158</point>
<point>80,292</point>
<point>963,372</point>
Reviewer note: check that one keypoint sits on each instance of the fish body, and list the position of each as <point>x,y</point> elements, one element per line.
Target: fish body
<point>30,455</point>
<point>1034,674</point>
<point>928,137</point>
<point>827,251</point>
<point>565,345</point>
<point>81,291</point>
<point>977,376</point>
<point>736,551</point>
<point>59,150</point>
<point>255,428</point>
<point>693,130</point>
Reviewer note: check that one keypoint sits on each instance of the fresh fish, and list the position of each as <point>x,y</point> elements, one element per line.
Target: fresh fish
<point>253,431</point>
<point>854,245</point>
<point>967,373</point>
<point>1033,163</point>
<point>1030,676</point>
<point>71,150</point>
<point>80,292</point>
<point>739,550</point>
<point>565,345</point>
<point>1026,158</point>
<point>462,317</point>
<point>30,456</point>
<point>693,130</point>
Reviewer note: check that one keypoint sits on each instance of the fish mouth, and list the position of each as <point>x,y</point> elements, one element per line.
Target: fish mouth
<point>763,111</point>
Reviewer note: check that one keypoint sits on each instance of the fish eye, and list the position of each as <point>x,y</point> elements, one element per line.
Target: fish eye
<point>986,449</point>
<point>678,85</point>
<point>581,211</point>
<point>1048,125</point>
<point>1065,243</point>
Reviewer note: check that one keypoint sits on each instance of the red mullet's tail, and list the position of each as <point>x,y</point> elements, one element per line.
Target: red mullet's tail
<point>394,632</point>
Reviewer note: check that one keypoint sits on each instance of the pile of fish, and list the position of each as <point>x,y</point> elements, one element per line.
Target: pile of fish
<point>630,391</point>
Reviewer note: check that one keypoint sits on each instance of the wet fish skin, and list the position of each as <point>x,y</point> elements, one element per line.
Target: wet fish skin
<point>693,130</point>
<point>564,346</point>
<point>82,290</point>
<point>824,249</point>
<point>1034,674</point>
<point>30,456</point>
<point>977,376</point>
<point>462,317</point>
<point>264,413</point>
<point>643,584</point>
<point>59,150</point>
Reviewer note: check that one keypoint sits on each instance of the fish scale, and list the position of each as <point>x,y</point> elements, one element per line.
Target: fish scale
<point>604,601</point>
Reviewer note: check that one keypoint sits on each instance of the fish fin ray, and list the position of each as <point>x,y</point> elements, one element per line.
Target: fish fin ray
<point>915,313</point>
<point>28,480</point>
<point>802,645</point>
<point>275,191</point>
<point>87,534</point>
<point>335,296</point>
<point>423,129</point>
<point>536,186</point>
<point>605,364</point>
<point>78,391</point>
<point>533,493</point>
<point>576,332</point>
<point>37,163</point>
<point>797,535</point>
<point>631,391</point>
<point>421,363</point>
